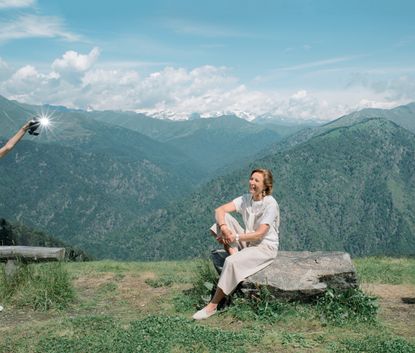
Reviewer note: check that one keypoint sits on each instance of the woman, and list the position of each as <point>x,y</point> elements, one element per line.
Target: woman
<point>252,249</point>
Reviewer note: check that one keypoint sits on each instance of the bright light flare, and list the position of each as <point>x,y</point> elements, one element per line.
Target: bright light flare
<point>44,121</point>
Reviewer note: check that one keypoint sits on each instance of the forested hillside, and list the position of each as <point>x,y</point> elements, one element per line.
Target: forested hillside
<point>123,185</point>
<point>69,193</point>
<point>84,178</point>
<point>214,142</point>
<point>351,188</point>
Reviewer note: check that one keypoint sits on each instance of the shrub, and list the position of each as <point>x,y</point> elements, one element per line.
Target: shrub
<point>342,307</point>
<point>263,306</point>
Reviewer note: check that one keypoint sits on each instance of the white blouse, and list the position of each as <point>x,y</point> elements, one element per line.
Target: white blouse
<point>254,213</point>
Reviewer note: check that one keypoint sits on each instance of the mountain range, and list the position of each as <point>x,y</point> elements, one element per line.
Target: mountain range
<point>351,188</point>
<point>86,177</point>
<point>127,186</point>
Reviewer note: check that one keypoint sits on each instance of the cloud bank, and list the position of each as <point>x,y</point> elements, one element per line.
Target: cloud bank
<point>77,80</point>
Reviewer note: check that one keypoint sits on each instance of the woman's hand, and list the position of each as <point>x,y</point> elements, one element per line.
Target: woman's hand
<point>227,235</point>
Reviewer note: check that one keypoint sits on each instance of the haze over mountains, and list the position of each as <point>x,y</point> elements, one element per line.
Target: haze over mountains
<point>127,186</point>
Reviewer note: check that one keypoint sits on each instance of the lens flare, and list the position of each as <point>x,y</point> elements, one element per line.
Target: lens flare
<point>47,122</point>
<point>44,121</point>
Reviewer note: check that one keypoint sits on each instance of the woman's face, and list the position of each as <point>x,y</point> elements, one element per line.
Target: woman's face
<point>256,184</point>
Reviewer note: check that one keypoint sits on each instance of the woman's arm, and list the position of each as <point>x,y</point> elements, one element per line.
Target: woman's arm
<point>220,213</point>
<point>15,139</point>
<point>254,236</point>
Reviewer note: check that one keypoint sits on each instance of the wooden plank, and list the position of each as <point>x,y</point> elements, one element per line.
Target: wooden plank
<point>31,253</point>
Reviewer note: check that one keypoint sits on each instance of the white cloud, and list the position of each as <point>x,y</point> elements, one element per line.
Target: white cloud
<point>26,72</point>
<point>389,86</point>
<point>100,77</point>
<point>4,4</point>
<point>77,80</point>
<point>34,26</point>
<point>73,61</point>
<point>367,103</point>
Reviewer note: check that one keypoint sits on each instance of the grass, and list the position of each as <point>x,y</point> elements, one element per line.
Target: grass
<point>147,307</point>
<point>40,287</point>
<point>386,270</point>
<point>151,334</point>
<point>373,344</point>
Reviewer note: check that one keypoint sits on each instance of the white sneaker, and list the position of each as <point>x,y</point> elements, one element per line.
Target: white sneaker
<point>203,314</point>
<point>1,308</point>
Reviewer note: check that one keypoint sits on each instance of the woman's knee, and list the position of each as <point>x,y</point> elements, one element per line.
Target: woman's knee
<point>231,260</point>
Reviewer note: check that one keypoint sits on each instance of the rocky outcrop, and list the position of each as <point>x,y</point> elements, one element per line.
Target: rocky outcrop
<point>299,275</point>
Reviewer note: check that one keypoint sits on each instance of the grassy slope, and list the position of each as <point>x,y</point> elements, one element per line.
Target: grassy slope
<point>130,306</point>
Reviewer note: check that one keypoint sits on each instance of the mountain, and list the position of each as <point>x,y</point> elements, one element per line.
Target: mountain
<point>214,142</point>
<point>85,178</point>
<point>403,116</point>
<point>12,116</point>
<point>350,188</point>
<point>75,195</point>
<point>283,125</point>
<point>126,186</point>
<point>200,147</point>
<point>77,130</point>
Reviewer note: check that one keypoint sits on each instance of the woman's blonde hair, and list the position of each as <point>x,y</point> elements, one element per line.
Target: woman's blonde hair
<point>267,180</point>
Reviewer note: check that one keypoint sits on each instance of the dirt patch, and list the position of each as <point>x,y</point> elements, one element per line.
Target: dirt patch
<point>138,293</point>
<point>11,317</point>
<point>127,296</point>
<point>86,283</point>
<point>397,314</point>
<point>103,293</point>
<point>391,292</point>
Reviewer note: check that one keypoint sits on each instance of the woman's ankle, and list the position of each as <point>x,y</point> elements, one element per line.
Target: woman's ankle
<point>211,307</point>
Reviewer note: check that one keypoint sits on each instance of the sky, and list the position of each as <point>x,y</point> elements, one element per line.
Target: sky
<point>300,59</point>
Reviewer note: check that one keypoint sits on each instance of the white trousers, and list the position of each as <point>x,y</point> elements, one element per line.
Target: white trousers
<point>244,263</point>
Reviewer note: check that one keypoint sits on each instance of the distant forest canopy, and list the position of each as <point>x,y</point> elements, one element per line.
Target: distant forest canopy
<point>350,188</point>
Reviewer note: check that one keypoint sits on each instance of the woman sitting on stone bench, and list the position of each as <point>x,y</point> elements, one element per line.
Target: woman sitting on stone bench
<point>252,249</point>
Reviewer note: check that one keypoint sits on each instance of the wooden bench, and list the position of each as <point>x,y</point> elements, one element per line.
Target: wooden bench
<point>14,255</point>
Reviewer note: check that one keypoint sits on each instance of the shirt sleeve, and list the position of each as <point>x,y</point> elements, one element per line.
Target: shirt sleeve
<point>270,214</point>
<point>238,204</point>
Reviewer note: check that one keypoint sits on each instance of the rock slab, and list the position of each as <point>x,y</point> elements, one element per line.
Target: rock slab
<point>299,275</point>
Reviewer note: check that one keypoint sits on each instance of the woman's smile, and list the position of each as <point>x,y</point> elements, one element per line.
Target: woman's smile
<point>256,185</point>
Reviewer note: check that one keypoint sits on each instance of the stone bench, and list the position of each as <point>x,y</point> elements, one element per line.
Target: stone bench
<point>14,255</point>
<point>299,275</point>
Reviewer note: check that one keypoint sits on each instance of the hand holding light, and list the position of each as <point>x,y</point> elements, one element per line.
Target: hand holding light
<point>35,123</point>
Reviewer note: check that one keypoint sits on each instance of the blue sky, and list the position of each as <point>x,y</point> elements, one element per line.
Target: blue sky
<point>302,59</point>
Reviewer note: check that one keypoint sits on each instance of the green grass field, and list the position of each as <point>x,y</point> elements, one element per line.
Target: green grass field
<point>110,306</point>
